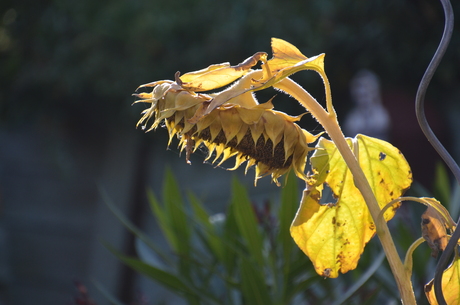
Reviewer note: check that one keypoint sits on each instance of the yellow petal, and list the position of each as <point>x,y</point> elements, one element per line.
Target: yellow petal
<point>242,133</point>
<point>240,158</point>
<point>257,130</point>
<point>215,129</point>
<point>274,127</point>
<point>291,137</point>
<point>250,116</point>
<point>228,153</point>
<point>185,100</point>
<point>231,123</point>
<point>219,150</point>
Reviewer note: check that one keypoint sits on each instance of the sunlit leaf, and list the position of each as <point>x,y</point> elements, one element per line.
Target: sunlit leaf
<point>450,285</point>
<point>333,234</point>
<point>220,75</point>
<point>285,55</point>
<point>286,60</point>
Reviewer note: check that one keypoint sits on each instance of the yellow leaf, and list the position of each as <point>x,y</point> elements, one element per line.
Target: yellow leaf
<point>450,284</point>
<point>214,76</point>
<point>287,60</point>
<point>217,76</point>
<point>333,234</point>
<point>284,55</point>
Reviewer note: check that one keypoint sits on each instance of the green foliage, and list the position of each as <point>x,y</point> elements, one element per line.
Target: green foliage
<point>239,257</point>
<point>245,256</point>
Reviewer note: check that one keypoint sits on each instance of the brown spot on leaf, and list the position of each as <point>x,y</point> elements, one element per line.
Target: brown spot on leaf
<point>326,272</point>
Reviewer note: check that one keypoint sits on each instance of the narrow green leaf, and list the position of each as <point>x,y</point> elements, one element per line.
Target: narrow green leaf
<point>179,222</point>
<point>132,228</point>
<point>246,221</point>
<point>253,284</point>
<point>166,279</point>
<point>288,207</point>
<point>175,210</point>
<point>231,236</point>
<point>198,210</point>
<point>210,237</point>
<point>163,221</point>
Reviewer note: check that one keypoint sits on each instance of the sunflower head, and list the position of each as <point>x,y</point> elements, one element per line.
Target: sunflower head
<point>231,122</point>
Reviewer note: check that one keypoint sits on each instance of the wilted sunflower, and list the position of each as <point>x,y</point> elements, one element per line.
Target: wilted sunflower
<point>232,122</point>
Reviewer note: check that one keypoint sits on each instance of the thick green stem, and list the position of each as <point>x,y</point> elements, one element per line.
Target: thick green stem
<point>330,124</point>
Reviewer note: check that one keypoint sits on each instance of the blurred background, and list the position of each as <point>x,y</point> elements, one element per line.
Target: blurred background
<point>67,127</point>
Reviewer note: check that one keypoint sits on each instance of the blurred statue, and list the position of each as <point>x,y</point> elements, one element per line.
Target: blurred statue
<point>369,116</point>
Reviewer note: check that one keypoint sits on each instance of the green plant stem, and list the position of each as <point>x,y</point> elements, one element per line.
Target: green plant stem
<point>330,124</point>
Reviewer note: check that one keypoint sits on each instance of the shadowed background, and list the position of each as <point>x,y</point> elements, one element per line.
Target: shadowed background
<point>67,127</point>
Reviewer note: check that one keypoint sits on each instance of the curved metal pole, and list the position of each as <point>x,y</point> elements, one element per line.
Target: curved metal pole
<point>419,108</point>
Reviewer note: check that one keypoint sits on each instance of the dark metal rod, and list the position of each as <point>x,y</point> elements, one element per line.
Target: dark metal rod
<point>453,166</point>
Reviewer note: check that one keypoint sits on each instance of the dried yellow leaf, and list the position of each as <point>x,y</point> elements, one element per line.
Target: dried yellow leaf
<point>333,234</point>
<point>450,284</point>
<point>434,231</point>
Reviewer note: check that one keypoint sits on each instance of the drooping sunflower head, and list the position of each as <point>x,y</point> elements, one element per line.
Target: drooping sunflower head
<point>231,122</point>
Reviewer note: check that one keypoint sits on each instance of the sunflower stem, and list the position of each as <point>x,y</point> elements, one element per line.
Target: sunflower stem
<point>329,122</point>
